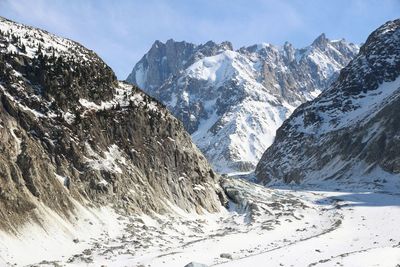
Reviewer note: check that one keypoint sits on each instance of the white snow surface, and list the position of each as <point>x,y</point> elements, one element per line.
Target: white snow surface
<point>109,162</point>
<point>249,127</point>
<point>247,131</point>
<point>34,38</point>
<point>366,236</point>
<point>56,236</point>
<point>365,105</point>
<point>124,95</point>
<point>238,99</point>
<point>220,68</point>
<point>308,225</point>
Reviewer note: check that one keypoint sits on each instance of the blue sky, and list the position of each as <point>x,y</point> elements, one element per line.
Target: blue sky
<point>122,31</point>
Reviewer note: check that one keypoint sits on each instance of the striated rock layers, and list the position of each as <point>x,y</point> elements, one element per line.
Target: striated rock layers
<point>71,133</point>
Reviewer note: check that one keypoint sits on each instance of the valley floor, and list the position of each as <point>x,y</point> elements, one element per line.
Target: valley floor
<point>365,233</point>
<point>265,227</point>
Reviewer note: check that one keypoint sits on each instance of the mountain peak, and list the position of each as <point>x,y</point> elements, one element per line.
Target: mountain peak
<point>227,45</point>
<point>351,130</point>
<point>157,44</point>
<point>321,40</point>
<point>389,28</point>
<point>206,87</point>
<point>210,43</point>
<point>63,102</point>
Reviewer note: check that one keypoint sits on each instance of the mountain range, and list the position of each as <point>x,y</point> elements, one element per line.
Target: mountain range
<point>95,171</point>
<point>233,101</point>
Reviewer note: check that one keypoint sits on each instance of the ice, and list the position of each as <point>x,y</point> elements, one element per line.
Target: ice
<point>286,225</point>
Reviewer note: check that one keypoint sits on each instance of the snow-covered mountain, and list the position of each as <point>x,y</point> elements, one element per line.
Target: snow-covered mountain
<point>75,138</point>
<point>351,132</point>
<point>232,101</point>
<point>95,172</point>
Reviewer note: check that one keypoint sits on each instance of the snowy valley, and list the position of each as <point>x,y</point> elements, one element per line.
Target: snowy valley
<point>95,172</point>
<point>280,226</point>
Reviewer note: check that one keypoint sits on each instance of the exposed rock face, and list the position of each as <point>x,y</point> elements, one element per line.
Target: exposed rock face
<point>166,60</point>
<point>232,102</point>
<point>352,130</point>
<point>70,132</point>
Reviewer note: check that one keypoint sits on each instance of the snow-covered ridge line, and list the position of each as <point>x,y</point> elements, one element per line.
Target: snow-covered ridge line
<point>366,105</point>
<point>232,101</point>
<point>29,41</point>
<point>72,132</point>
<point>350,132</point>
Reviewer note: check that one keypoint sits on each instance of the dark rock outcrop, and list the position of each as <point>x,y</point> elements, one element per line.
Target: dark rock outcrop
<point>70,132</point>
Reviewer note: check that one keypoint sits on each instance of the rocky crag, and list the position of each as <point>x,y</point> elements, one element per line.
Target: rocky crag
<point>72,133</point>
<point>232,101</point>
<point>350,132</point>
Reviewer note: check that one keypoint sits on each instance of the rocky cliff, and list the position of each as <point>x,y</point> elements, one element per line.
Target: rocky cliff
<point>232,101</point>
<point>71,133</point>
<point>350,132</point>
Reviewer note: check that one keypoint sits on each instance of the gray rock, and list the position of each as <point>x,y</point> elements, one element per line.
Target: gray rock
<point>226,256</point>
<point>350,130</point>
<point>234,115</point>
<point>132,154</point>
<point>195,264</point>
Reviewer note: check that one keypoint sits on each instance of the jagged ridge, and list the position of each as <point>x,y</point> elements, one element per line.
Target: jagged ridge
<point>233,101</point>
<point>71,133</point>
<point>351,131</point>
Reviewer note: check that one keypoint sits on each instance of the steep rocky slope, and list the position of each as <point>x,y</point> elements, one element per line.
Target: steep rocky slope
<point>350,132</point>
<point>72,134</point>
<point>232,101</point>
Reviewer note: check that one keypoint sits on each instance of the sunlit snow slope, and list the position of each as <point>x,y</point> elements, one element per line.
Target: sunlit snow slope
<point>351,131</point>
<point>232,101</point>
